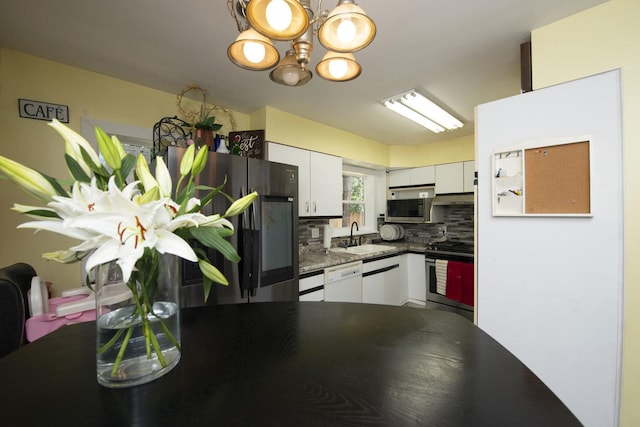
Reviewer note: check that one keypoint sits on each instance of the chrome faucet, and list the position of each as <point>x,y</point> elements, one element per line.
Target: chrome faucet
<point>351,243</point>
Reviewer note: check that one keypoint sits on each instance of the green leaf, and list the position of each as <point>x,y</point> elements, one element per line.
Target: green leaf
<point>128,163</point>
<point>212,237</point>
<point>76,170</point>
<point>42,212</point>
<point>56,185</point>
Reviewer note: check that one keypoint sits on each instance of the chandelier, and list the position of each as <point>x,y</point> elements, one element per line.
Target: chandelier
<point>344,30</point>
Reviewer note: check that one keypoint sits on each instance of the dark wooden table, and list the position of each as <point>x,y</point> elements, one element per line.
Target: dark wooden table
<point>281,364</point>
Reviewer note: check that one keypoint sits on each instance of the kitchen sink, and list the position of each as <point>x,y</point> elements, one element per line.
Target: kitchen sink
<point>365,249</point>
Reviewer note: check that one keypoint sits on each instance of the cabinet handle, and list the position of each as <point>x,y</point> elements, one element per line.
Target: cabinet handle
<point>306,207</point>
<point>315,208</point>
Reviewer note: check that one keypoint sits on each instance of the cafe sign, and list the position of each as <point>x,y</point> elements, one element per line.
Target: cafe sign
<point>43,110</point>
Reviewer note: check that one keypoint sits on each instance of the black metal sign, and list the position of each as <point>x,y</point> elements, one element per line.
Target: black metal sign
<point>43,110</point>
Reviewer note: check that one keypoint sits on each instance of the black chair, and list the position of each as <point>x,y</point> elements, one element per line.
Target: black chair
<point>15,282</point>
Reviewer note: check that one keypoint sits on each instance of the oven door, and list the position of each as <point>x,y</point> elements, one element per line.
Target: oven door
<point>438,298</point>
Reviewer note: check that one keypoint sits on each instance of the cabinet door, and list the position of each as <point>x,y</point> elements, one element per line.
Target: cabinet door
<point>469,175</point>
<point>373,289</point>
<point>449,178</point>
<point>423,175</point>
<point>325,185</point>
<point>417,277</point>
<point>400,177</point>
<point>297,157</point>
<point>310,283</point>
<point>393,285</point>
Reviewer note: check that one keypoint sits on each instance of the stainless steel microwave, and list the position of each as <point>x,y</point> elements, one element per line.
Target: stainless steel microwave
<point>409,204</point>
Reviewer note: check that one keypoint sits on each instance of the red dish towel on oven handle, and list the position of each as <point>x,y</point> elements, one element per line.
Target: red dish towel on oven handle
<point>460,282</point>
<point>454,281</point>
<point>467,284</point>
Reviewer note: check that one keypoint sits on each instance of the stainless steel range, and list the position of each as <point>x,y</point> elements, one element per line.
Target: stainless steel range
<point>437,257</point>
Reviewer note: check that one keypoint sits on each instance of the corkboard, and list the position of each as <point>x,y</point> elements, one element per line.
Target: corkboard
<point>557,179</point>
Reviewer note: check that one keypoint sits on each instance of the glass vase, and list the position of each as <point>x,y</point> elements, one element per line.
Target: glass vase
<point>138,322</point>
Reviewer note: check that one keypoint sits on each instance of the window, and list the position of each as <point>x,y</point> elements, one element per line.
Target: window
<point>357,204</point>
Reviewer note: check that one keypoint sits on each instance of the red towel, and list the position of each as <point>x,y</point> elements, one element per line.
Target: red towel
<point>454,280</point>
<point>467,284</point>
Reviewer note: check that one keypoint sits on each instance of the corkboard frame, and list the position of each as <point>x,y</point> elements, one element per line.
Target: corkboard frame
<point>556,178</point>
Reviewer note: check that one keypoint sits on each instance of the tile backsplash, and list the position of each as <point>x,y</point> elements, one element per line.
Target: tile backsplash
<point>457,220</point>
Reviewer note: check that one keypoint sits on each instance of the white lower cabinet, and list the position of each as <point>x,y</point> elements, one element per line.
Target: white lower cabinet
<point>416,277</point>
<point>373,288</point>
<point>311,288</point>
<point>384,281</point>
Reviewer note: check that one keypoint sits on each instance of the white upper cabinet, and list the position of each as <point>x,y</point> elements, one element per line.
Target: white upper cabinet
<point>415,176</point>
<point>319,179</point>
<point>455,177</point>
<point>469,175</point>
<point>449,178</point>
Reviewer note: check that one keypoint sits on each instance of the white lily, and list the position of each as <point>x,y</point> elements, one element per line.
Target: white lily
<point>120,224</point>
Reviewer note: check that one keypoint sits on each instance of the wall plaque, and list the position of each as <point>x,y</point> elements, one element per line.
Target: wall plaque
<point>43,110</point>
<point>251,142</point>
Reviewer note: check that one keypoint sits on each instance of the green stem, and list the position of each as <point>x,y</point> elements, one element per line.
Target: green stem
<point>111,342</point>
<point>116,364</point>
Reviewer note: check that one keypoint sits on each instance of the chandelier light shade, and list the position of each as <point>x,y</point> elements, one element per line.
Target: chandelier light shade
<point>253,51</point>
<point>278,19</point>
<point>344,30</point>
<point>415,106</point>
<point>338,67</point>
<point>289,72</point>
<point>347,28</point>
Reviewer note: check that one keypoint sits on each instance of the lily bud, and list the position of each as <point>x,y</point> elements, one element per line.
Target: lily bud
<point>28,179</point>
<point>163,177</point>
<point>76,142</point>
<point>116,142</point>
<point>187,161</point>
<point>108,149</point>
<point>64,257</point>
<point>240,205</point>
<point>212,272</point>
<point>144,175</point>
<point>201,160</point>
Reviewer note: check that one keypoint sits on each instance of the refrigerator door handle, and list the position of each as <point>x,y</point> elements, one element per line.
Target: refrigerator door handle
<point>246,240</point>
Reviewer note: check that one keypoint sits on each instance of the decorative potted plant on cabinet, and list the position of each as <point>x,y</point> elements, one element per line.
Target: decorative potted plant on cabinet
<point>204,123</point>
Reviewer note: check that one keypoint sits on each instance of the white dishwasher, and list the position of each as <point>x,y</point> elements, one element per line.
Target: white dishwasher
<point>343,283</point>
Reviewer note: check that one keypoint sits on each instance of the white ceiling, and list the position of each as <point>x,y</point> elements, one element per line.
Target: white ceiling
<point>462,53</point>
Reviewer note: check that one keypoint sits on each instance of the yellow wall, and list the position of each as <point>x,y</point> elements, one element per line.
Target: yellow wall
<point>35,144</point>
<point>292,130</point>
<point>454,150</point>
<point>597,40</point>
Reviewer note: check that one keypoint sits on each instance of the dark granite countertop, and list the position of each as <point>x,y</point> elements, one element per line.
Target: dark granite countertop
<point>317,261</point>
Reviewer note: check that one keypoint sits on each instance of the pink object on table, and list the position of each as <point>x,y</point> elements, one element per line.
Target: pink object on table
<point>41,325</point>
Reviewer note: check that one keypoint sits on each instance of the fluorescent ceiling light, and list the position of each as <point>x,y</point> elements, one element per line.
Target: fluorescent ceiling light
<point>423,111</point>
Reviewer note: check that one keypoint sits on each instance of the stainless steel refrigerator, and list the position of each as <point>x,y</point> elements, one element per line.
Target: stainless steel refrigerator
<point>266,234</point>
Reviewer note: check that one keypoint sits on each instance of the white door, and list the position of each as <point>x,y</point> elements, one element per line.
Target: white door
<point>550,288</point>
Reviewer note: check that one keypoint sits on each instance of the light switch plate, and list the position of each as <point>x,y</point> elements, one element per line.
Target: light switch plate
<point>315,232</point>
